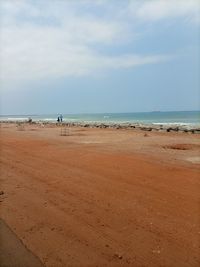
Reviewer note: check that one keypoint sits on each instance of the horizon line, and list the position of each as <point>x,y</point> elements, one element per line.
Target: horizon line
<point>85,113</point>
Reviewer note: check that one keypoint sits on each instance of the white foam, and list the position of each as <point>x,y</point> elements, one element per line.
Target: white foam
<point>14,119</point>
<point>176,123</point>
<point>172,123</point>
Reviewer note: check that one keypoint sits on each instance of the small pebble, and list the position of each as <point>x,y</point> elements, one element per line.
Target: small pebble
<point>118,256</point>
<point>156,251</point>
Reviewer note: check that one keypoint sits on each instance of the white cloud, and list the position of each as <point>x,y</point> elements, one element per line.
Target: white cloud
<point>65,38</point>
<point>34,53</point>
<point>154,10</point>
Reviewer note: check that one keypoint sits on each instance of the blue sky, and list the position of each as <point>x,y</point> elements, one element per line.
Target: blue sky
<point>80,56</point>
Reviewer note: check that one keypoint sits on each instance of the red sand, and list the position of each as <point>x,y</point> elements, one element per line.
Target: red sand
<point>102,197</point>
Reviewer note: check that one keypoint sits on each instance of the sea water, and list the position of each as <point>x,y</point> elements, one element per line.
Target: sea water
<point>172,117</point>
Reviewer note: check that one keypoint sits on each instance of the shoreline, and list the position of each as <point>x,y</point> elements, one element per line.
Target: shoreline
<point>160,127</point>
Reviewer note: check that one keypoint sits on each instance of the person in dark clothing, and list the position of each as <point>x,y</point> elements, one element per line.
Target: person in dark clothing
<point>61,117</point>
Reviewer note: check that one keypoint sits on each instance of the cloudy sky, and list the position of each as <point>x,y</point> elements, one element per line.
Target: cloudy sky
<point>79,56</point>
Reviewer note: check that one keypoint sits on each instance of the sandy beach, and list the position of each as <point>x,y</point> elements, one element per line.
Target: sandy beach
<point>102,197</point>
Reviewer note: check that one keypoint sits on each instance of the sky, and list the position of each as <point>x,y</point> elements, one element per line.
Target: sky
<point>95,56</point>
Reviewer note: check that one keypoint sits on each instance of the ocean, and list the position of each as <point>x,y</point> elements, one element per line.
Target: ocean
<point>172,117</point>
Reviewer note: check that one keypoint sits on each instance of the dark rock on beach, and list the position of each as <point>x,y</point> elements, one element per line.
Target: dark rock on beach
<point>117,126</point>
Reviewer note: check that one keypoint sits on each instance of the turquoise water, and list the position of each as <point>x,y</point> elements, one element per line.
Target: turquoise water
<point>176,117</point>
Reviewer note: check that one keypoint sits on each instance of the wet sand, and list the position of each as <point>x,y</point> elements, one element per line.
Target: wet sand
<point>102,197</point>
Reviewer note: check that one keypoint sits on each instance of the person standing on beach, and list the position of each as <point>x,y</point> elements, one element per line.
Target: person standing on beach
<point>61,117</point>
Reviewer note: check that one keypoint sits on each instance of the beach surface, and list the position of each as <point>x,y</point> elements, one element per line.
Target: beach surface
<point>101,197</point>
